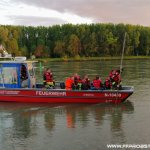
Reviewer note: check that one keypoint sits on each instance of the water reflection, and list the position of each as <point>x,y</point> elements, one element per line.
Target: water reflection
<point>26,118</point>
<point>25,124</point>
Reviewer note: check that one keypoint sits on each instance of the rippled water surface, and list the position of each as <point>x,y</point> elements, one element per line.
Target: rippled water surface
<point>81,126</point>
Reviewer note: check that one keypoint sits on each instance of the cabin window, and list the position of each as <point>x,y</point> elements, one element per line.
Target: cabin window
<point>24,74</point>
<point>8,75</point>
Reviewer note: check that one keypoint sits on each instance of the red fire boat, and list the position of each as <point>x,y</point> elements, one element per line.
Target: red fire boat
<point>11,89</point>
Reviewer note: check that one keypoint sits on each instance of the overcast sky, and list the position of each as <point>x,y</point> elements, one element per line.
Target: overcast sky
<point>51,12</point>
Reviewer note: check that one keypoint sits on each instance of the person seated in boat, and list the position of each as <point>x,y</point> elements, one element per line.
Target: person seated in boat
<point>97,83</point>
<point>24,77</point>
<point>79,84</point>
<point>107,84</point>
<point>86,83</point>
<point>48,77</point>
<point>76,78</point>
<point>69,83</point>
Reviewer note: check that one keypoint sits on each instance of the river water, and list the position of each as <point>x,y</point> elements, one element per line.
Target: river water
<point>81,126</point>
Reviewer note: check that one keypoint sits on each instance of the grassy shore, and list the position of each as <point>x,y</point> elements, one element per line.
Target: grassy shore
<point>90,58</point>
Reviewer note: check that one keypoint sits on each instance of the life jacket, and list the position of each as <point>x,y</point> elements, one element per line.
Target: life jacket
<point>68,84</point>
<point>86,81</point>
<point>48,77</point>
<point>107,84</point>
<point>116,77</point>
<point>97,83</point>
<point>79,80</point>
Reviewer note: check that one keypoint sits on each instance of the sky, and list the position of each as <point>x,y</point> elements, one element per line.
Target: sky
<point>52,12</point>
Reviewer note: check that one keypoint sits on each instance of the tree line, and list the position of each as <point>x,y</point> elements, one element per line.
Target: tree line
<point>70,40</point>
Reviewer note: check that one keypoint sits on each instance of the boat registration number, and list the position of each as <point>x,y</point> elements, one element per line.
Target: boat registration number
<point>112,94</point>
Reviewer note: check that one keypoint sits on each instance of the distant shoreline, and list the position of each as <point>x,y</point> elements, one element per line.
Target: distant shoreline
<point>89,59</point>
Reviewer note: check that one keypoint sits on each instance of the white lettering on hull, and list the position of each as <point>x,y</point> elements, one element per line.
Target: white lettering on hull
<point>112,94</point>
<point>9,92</point>
<point>49,93</point>
<point>88,94</point>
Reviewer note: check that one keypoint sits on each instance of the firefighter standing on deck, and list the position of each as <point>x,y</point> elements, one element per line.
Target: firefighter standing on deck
<point>48,79</point>
<point>115,79</point>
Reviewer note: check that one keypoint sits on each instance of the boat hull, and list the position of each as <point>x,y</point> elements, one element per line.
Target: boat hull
<point>64,96</point>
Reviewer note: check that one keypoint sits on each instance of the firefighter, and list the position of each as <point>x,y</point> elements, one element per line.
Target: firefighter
<point>86,83</point>
<point>97,83</point>
<point>48,79</point>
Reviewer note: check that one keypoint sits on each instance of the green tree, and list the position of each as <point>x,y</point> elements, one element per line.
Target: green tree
<point>41,51</point>
<point>111,42</point>
<point>74,46</point>
<point>93,44</point>
<point>3,34</point>
<point>12,47</point>
<point>59,50</point>
<point>73,40</point>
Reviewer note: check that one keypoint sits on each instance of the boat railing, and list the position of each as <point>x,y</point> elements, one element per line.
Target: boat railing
<point>7,57</point>
<point>58,87</point>
<point>128,88</point>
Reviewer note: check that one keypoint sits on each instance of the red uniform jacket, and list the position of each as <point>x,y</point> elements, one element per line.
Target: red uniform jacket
<point>97,83</point>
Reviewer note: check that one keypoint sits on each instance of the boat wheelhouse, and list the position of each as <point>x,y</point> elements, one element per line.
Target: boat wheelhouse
<point>17,73</point>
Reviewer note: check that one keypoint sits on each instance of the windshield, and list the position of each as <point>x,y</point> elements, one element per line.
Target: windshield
<point>8,75</point>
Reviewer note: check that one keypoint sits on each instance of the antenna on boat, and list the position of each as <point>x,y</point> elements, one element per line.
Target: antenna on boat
<point>124,41</point>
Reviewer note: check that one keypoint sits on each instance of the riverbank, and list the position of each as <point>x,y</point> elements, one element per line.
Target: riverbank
<point>89,58</point>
